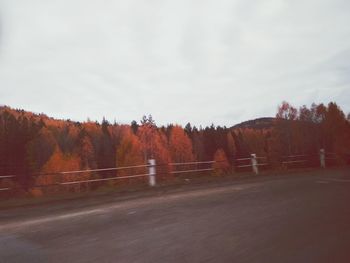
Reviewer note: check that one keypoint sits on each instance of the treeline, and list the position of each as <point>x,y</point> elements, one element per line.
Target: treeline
<point>34,145</point>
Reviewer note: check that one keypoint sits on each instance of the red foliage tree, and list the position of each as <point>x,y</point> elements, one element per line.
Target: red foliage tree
<point>59,162</point>
<point>221,165</point>
<point>129,153</point>
<point>180,146</point>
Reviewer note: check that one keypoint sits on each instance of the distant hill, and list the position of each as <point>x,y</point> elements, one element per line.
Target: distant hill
<point>260,123</point>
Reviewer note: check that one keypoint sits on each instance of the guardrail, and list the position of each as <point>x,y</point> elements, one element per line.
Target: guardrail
<point>253,162</point>
<point>191,164</point>
<point>294,159</point>
<point>86,171</point>
<point>176,168</point>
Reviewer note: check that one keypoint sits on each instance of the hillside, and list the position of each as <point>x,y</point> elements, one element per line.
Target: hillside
<point>260,123</point>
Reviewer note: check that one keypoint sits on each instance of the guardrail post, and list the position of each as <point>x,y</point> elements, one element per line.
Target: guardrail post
<point>152,172</point>
<point>322,158</point>
<point>254,163</point>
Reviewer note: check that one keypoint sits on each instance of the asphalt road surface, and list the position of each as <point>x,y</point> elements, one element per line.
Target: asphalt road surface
<point>278,219</point>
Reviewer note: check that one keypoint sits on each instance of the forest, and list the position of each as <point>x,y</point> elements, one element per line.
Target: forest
<point>36,148</point>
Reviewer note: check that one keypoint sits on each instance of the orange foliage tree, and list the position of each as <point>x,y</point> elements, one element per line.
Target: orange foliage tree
<point>180,146</point>
<point>87,153</point>
<point>231,145</point>
<point>221,165</point>
<point>129,153</point>
<point>254,140</point>
<point>58,163</point>
<point>147,134</point>
<point>154,144</point>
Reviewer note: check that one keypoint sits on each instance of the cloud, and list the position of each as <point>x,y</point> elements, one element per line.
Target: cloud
<point>221,62</point>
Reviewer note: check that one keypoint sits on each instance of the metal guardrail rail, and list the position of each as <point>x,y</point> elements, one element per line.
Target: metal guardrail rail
<point>103,179</point>
<point>251,160</point>
<point>85,171</point>
<point>151,166</point>
<point>192,170</point>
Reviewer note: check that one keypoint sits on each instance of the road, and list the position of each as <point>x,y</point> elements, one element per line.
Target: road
<point>278,219</point>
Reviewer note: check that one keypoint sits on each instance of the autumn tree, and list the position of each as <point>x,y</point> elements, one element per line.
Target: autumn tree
<point>154,144</point>
<point>147,133</point>
<point>106,152</point>
<point>39,150</point>
<point>188,129</point>
<point>162,154</point>
<point>255,141</point>
<point>134,126</point>
<point>285,117</point>
<point>231,145</point>
<point>129,153</point>
<point>221,165</point>
<point>60,162</point>
<point>337,132</point>
<point>198,145</point>
<point>87,153</point>
<point>17,129</point>
<point>180,146</point>
<point>286,111</point>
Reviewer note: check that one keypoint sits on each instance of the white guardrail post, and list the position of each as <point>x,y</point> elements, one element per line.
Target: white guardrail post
<point>322,158</point>
<point>254,163</point>
<point>152,172</point>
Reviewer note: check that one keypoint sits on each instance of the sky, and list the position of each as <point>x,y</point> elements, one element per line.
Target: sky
<point>197,61</point>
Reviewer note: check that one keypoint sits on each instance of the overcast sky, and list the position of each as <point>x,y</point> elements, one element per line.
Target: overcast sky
<point>180,60</point>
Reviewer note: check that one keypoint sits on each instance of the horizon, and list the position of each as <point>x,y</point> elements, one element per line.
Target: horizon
<point>138,121</point>
<point>129,123</point>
